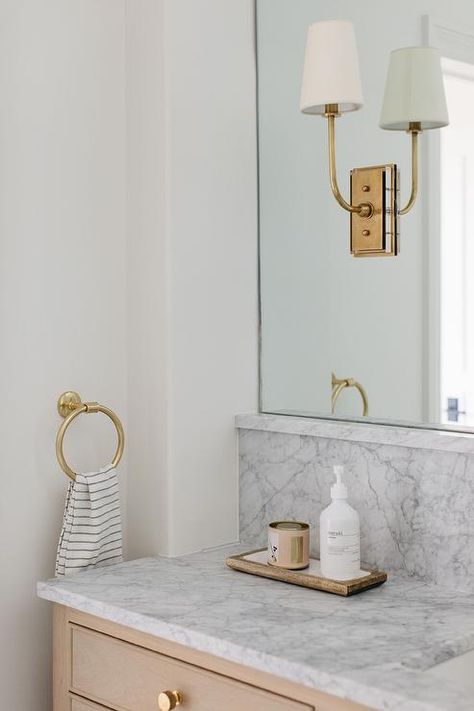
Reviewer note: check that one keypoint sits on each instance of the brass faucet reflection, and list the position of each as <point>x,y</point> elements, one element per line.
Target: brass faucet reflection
<point>338,385</point>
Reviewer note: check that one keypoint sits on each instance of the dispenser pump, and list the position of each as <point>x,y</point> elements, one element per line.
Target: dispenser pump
<point>339,489</point>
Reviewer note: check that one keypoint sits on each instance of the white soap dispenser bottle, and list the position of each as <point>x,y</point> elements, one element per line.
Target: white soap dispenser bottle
<point>340,534</point>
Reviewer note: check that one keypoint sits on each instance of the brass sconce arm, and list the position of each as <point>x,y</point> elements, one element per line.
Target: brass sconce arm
<point>374,224</point>
<point>414,129</point>
<point>364,209</point>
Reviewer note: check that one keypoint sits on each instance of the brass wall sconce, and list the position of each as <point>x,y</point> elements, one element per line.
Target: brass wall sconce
<point>414,101</point>
<point>338,385</point>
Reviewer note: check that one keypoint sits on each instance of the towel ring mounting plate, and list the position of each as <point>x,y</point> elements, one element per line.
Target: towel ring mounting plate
<point>70,406</point>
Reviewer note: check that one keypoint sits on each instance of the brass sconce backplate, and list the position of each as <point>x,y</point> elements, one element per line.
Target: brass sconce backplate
<point>377,234</point>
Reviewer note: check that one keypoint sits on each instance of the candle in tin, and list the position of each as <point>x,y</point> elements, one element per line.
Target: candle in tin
<point>288,544</point>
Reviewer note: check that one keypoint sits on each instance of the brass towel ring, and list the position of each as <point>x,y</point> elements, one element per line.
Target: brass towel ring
<point>338,385</point>
<point>70,406</point>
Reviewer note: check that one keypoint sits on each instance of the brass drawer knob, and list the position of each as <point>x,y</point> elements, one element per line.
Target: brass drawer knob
<point>168,700</point>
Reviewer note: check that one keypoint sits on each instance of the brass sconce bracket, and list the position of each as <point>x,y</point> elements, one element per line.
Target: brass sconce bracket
<point>377,234</point>
<point>374,204</point>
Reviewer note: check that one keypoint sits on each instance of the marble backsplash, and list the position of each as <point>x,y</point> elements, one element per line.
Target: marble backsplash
<point>416,505</point>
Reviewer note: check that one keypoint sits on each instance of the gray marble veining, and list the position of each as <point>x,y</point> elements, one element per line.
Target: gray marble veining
<point>416,505</point>
<point>372,648</point>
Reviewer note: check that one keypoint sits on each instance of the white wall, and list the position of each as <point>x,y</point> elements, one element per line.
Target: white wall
<point>212,233</point>
<point>193,216</point>
<point>324,310</point>
<point>62,296</point>
<point>128,272</point>
<point>148,300</point>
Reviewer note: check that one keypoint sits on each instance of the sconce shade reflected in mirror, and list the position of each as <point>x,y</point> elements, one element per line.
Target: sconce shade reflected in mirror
<point>331,68</point>
<point>414,91</point>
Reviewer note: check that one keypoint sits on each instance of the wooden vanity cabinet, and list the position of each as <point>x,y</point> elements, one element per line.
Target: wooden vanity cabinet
<point>83,705</point>
<point>100,665</point>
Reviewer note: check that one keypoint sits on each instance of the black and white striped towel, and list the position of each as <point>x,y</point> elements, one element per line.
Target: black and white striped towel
<point>91,535</point>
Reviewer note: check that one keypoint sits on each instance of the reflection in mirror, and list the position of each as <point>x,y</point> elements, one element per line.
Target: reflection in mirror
<point>457,249</point>
<point>384,340</point>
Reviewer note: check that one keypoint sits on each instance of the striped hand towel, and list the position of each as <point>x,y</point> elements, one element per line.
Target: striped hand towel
<point>91,535</point>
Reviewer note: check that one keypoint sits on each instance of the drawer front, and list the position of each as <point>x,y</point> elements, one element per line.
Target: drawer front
<point>81,705</point>
<point>129,678</point>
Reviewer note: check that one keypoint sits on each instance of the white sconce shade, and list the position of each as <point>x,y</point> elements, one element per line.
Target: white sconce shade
<point>331,68</point>
<point>414,90</point>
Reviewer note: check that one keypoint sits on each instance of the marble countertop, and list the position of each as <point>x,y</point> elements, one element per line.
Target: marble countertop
<point>372,648</point>
<point>447,439</point>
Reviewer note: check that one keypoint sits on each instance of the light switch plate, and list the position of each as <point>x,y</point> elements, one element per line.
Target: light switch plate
<point>377,235</point>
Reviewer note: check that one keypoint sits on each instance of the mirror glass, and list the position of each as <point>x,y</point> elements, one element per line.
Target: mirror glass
<point>402,327</point>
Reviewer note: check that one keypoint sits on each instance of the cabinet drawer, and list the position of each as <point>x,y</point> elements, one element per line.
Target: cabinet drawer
<point>82,705</point>
<point>129,678</point>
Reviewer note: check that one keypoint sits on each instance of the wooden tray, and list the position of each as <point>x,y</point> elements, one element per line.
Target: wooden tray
<point>255,563</point>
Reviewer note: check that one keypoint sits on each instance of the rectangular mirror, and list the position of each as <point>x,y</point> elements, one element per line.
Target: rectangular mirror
<point>387,340</point>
